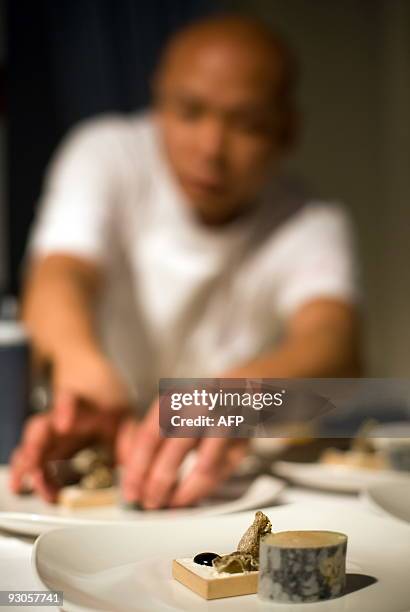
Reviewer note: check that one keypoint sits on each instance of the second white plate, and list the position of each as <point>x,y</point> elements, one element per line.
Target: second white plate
<point>335,477</point>
<point>31,516</point>
<point>390,498</point>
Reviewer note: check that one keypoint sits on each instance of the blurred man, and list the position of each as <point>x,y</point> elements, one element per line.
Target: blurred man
<point>169,245</point>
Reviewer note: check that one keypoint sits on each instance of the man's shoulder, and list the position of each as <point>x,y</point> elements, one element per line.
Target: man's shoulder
<point>299,220</point>
<point>115,127</point>
<point>317,225</point>
<point>321,216</point>
<point>293,207</point>
<point>111,145</point>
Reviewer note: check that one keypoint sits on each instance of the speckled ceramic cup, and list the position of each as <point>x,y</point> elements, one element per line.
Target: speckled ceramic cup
<point>302,566</point>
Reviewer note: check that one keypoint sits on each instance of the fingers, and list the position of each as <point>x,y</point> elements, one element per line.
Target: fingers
<point>30,454</point>
<point>205,476</point>
<point>164,472</point>
<point>29,457</point>
<point>144,446</point>
<point>65,411</point>
<point>73,417</point>
<point>36,439</point>
<point>217,458</point>
<point>211,453</point>
<point>57,434</point>
<point>40,443</point>
<point>43,487</point>
<point>19,469</point>
<point>124,442</point>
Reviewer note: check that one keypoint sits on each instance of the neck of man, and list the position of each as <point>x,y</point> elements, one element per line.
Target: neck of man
<point>223,221</point>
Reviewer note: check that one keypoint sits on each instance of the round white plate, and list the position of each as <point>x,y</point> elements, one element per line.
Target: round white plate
<point>127,568</point>
<point>29,515</point>
<point>390,498</point>
<point>335,477</point>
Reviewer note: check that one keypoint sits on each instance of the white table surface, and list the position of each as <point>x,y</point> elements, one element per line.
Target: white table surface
<point>15,551</point>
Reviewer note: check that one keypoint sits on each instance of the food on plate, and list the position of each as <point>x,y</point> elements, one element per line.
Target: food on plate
<point>355,459</point>
<point>74,497</point>
<point>206,558</point>
<point>87,479</point>
<point>362,453</point>
<point>250,541</point>
<point>207,582</point>
<point>299,566</point>
<point>214,576</point>
<point>302,566</point>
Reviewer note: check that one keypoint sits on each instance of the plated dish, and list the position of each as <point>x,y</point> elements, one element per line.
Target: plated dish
<point>378,454</point>
<point>371,451</point>
<point>288,566</point>
<point>31,516</point>
<point>129,567</point>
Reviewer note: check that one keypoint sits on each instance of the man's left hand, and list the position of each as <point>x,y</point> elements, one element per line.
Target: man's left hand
<point>152,464</point>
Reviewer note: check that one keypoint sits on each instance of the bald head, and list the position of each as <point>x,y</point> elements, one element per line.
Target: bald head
<point>244,43</point>
<point>223,93</point>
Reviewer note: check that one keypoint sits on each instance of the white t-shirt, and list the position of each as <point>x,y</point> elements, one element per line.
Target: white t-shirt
<point>182,299</point>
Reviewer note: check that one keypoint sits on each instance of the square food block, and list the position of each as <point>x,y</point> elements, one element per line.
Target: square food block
<point>209,584</point>
<point>75,497</point>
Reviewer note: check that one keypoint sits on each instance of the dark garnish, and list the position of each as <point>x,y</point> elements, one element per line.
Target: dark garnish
<point>206,558</point>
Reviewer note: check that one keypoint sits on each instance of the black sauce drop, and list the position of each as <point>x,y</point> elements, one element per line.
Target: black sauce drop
<point>205,558</point>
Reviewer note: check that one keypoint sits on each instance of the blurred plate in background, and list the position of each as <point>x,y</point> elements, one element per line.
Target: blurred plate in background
<point>389,498</point>
<point>30,515</point>
<point>335,477</point>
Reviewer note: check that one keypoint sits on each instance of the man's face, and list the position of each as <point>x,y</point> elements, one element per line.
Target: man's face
<point>217,110</point>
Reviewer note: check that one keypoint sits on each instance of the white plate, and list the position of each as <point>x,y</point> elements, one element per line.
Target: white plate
<point>335,477</point>
<point>31,516</point>
<point>127,568</point>
<point>391,498</point>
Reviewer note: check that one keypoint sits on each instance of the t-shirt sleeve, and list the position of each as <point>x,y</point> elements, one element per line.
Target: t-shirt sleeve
<point>78,195</point>
<point>317,259</point>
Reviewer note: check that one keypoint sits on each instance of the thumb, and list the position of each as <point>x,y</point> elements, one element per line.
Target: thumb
<point>64,411</point>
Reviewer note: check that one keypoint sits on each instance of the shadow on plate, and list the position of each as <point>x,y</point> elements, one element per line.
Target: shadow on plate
<point>356,582</point>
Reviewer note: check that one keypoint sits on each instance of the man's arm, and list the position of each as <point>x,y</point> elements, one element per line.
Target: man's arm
<point>89,398</point>
<point>321,340</point>
<point>60,300</point>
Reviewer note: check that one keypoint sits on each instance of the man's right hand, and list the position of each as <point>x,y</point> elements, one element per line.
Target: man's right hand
<point>86,374</point>
<point>89,404</point>
<point>45,440</point>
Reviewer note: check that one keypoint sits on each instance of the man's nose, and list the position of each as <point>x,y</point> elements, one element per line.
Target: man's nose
<point>212,139</point>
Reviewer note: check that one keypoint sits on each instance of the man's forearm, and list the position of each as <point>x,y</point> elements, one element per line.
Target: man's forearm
<point>301,358</point>
<point>313,348</point>
<point>58,305</point>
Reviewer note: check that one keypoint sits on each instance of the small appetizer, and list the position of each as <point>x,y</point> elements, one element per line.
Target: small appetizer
<point>214,576</point>
<point>289,566</point>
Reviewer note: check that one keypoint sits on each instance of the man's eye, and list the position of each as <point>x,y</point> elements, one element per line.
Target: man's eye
<point>191,111</point>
